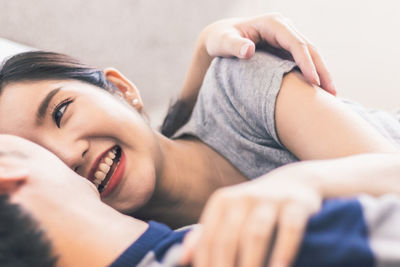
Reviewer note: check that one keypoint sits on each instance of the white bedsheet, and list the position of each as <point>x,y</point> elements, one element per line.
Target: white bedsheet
<point>9,48</point>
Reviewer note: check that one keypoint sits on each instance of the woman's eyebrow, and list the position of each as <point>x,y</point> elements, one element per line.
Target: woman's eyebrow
<point>45,104</point>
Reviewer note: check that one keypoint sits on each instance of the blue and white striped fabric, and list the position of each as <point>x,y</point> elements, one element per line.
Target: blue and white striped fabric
<point>361,231</point>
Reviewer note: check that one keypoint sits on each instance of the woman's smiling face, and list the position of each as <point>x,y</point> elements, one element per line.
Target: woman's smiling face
<point>100,136</point>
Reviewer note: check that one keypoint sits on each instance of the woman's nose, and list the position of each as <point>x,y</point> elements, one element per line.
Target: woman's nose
<point>72,153</point>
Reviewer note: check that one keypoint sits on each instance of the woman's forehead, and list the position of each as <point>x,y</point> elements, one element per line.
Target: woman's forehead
<point>31,92</point>
<point>19,103</point>
<point>39,85</point>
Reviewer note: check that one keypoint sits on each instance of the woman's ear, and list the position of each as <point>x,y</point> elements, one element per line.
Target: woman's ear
<point>126,87</point>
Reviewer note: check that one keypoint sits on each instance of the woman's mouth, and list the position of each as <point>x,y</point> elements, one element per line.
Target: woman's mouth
<point>107,170</point>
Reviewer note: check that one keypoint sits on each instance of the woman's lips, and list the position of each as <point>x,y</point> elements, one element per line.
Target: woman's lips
<point>116,177</point>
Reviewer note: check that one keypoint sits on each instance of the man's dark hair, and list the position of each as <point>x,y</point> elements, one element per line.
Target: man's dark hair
<point>41,65</point>
<point>22,243</point>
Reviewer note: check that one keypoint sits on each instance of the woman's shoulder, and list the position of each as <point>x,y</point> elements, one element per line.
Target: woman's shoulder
<point>245,89</point>
<point>245,80</point>
<point>260,65</point>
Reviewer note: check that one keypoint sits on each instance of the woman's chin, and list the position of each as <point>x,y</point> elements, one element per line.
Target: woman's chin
<point>129,201</point>
<point>131,206</point>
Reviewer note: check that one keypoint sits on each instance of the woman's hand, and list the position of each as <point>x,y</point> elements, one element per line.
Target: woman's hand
<point>238,36</point>
<point>239,223</point>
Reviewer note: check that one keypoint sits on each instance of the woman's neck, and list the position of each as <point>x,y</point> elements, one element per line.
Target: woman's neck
<point>191,171</point>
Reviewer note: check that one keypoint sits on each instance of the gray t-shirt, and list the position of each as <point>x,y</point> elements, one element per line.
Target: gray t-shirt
<point>235,113</point>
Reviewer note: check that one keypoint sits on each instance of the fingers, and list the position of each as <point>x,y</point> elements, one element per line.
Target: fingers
<point>219,244</point>
<point>189,245</point>
<point>226,246</point>
<point>243,239</point>
<point>322,70</point>
<point>240,47</point>
<point>210,219</point>
<point>288,39</point>
<point>306,56</point>
<point>304,60</point>
<point>312,65</point>
<point>240,222</point>
<point>238,37</point>
<point>232,44</point>
<point>292,223</point>
<point>256,236</point>
<point>323,73</point>
<point>247,50</point>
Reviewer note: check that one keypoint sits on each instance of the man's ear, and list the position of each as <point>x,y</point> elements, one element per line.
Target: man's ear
<point>127,88</point>
<point>11,180</point>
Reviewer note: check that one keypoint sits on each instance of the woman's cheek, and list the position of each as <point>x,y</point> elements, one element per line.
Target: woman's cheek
<point>137,187</point>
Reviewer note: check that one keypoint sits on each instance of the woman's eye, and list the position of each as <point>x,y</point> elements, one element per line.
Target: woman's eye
<point>59,112</point>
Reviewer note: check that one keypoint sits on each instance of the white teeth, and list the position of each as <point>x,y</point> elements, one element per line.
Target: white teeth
<point>100,175</point>
<point>108,161</point>
<point>97,182</point>
<point>111,155</point>
<point>104,167</point>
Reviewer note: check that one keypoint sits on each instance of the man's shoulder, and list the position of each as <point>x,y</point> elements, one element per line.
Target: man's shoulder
<point>156,245</point>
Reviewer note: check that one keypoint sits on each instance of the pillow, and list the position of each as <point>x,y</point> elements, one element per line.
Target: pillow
<point>9,48</point>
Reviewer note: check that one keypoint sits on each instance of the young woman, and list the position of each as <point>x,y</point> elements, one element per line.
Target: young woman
<point>55,101</point>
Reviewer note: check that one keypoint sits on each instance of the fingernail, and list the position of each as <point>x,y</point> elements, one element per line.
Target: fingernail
<point>244,49</point>
<point>317,80</point>
<point>332,88</point>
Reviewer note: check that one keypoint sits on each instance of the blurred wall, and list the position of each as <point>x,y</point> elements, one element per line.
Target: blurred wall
<point>360,41</point>
<point>151,41</point>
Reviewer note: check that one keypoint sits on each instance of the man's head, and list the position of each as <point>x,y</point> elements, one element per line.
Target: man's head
<point>83,231</point>
<point>27,194</point>
<point>22,242</point>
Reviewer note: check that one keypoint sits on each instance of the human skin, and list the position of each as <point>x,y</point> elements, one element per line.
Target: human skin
<point>220,38</point>
<point>162,171</point>
<point>307,121</point>
<point>172,179</point>
<point>96,121</point>
<point>238,37</point>
<point>83,230</point>
<point>69,210</point>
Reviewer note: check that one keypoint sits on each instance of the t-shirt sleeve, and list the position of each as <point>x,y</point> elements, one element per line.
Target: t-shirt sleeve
<point>250,87</point>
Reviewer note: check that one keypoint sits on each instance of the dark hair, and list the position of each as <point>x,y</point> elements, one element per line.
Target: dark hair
<point>180,111</point>
<point>177,115</point>
<point>41,65</point>
<point>22,243</point>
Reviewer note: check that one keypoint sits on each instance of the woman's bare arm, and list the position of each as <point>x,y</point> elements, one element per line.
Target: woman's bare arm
<point>314,125</point>
<point>237,37</point>
<point>373,174</point>
<point>239,221</point>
